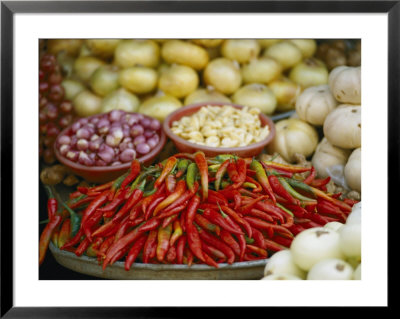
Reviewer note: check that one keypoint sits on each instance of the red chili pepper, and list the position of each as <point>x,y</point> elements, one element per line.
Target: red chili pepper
<point>241,167</point>
<point>169,165</point>
<point>168,220</point>
<point>342,205</point>
<point>180,246</point>
<point>271,245</point>
<point>170,183</point>
<point>150,225</point>
<point>215,197</point>
<point>75,194</point>
<point>182,220</point>
<point>259,251</point>
<point>193,240</point>
<point>232,172</point>
<point>136,210</point>
<point>283,241</point>
<point>247,208</point>
<point>201,163</point>
<point>258,188</point>
<point>206,224</point>
<point>263,179</point>
<point>94,205</point>
<point>308,180</point>
<point>90,222</point>
<point>220,174</point>
<point>104,247</point>
<point>281,191</point>
<point>221,220</point>
<point>101,187</point>
<point>208,249</point>
<point>247,193</point>
<point>187,195</point>
<point>116,186</point>
<point>133,173</point>
<point>239,220</point>
<point>209,261</point>
<point>46,236</point>
<point>286,167</point>
<point>271,209</point>
<point>171,212</point>
<point>260,214</point>
<point>214,241</point>
<point>171,255</point>
<point>192,209</point>
<point>318,183</point>
<point>180,189</point>
<point>134,251</point>
<point>188,259</point>
<point>118,200</point>
<point>65,232</point>
<point>122,228</point>
<point>152,206</point>
<point>132,201</point>
<point>296,229</point>
<point>262,225</point>
<point>336,195</point>
<point>52,204</point>
<point>324,207</point>
<point>230,241</point>
<point>177,232</point>
<point>350,202</point>
<point>163,237</point>
<point>316,218</point>
<point>82,247</point>
<point>74,240</point>
<point>259,238</point>
<point>149,248</point>
<point>122,244</point>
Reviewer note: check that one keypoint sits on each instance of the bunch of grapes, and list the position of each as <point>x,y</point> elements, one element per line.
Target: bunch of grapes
<point>55,112</point>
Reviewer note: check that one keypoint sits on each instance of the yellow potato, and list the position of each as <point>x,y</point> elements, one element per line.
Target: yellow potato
<point>138,79</point>
<point>160,106</point>
<point>178,81</point>
<point>185,53</point>
<point>285,52</point>
<point>265,43</point>
<point>206,95</point>
<point>256,95</point>
<point>137,52</point>
<point>223,75</point>
<point>240,50</point>
<point>103,48</point>
<point>85,66</point>
<point>262,70</point>
<point>104,80</point>
<point>71,46</point>
<point>208,43</point>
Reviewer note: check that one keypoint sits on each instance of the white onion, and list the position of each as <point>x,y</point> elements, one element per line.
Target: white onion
<point>330,269</point>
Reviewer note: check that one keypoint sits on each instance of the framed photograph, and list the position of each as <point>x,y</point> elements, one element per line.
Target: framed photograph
<point>183,144</point>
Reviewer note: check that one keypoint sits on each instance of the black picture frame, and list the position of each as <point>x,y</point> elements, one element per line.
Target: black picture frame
<point>9,8</point>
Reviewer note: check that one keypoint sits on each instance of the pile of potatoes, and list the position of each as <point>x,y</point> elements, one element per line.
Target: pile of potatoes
<point>335,110</point>
<point>157,76</point>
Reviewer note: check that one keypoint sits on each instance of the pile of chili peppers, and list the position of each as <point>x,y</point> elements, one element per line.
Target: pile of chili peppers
<point>192,209</point>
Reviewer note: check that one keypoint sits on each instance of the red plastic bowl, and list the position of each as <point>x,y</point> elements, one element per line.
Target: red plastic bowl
<point>187,147</point>
<point>103,174</point>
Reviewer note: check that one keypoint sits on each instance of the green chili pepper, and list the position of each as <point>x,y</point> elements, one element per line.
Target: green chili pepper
<point>191,175</point>
<point>213,168</point>
<point>299,184</point>
<point>223,157</point>
<point>182,167</point>
<point>285,184</point>
<point>284,209</point>
<point>249,185</point>
<point>75,220</point>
